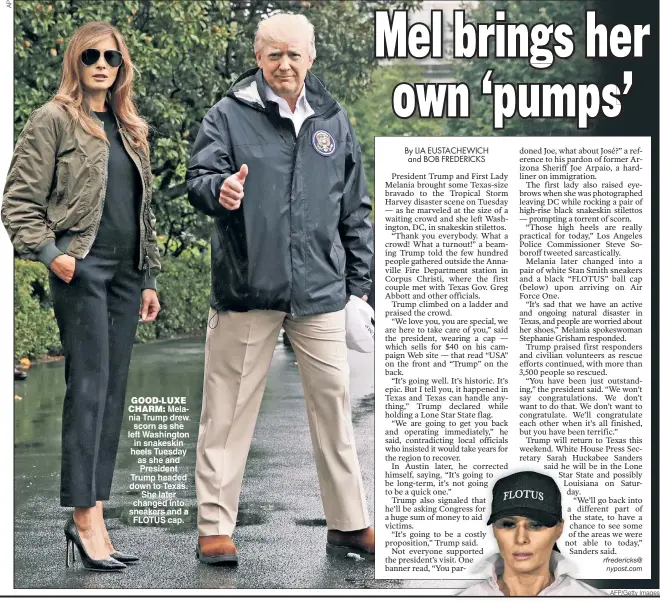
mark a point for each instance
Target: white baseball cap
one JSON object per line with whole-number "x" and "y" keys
{"x": 360, "y": 325}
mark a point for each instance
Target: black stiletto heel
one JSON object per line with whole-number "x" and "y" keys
{"x": 70, "y": 560}
{"x": 96, "y": 565}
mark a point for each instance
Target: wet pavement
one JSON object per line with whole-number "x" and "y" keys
{"x": 281, "y": 530}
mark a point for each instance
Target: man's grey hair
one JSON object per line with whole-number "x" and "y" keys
{"x": 281, "y": 28}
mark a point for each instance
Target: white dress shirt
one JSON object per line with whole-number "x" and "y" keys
{"x": 299, "y": 115}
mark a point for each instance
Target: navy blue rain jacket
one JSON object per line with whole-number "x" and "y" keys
{"x": 301, "y": 240}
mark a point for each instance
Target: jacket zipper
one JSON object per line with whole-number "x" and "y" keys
{"x": 293, "y": 172}
{"x": 303, "y": 127}
{"x": 105, "y": 186}
{"x": 142, "y": 259}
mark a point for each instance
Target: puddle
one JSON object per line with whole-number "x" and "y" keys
{"x": 311, "y": 522}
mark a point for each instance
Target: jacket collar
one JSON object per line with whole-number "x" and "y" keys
{"x": 91, "y": 113}
{"x": 134, "y": 146}
{"x": 250, "y": 88}
{"x": 494, "y": 566}
{"x": 94, "y": 116}
{"x": 301, "y": 102}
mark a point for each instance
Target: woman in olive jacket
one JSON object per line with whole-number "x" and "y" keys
{"x": 78, "y": 198}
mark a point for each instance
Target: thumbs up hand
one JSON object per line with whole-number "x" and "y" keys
{"x": 231, "y": 191}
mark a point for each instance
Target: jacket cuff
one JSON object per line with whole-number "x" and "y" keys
{"x": 354, "y": 290}
{"x": 48, "y": 253}
{"x": 148, "y": 281}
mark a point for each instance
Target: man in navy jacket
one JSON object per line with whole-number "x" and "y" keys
{"x": 277, "y": 165}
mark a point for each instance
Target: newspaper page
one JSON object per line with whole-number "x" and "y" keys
{"x": 515, "y": 331}
{"x": 509, "y": 152}
{"x": 515, "y": 335}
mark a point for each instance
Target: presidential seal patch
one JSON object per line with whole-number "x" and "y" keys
{"x": 323, "y": 143}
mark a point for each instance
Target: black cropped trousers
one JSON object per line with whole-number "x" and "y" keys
{"x": 97, "y": 313}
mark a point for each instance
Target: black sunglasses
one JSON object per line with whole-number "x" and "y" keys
{"x": 90, "y": 56}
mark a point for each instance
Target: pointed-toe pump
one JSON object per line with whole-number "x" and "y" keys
{"x": 96, "y": 565}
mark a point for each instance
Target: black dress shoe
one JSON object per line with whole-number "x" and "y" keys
{"x": 361, "y": 542}
{"x": 124, "y": 557}
{"x": 96, "y": 565}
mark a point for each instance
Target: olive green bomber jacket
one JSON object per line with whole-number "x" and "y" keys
{"x": 55, "y": 191}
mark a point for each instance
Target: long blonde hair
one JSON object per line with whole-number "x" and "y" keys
{"x": 70, "y": 95}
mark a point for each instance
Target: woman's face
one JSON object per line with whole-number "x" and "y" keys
{"x": 100, "y": 76}
{"x": 525, "y": 544}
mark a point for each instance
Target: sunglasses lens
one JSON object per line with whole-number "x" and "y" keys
{"x": 113, "y": 58}
{"x": 90, "y": 56}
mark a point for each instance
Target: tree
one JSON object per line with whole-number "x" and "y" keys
{"x": 188, "y": 53}
{"x": 372, "y": 114}
{"x": 471, "y": 71}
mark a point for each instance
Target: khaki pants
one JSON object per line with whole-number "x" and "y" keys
{"x": 239, "y": 349}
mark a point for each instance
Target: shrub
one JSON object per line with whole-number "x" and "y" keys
{"x": 184, "y": 286}
{"x": 35, "y": 328}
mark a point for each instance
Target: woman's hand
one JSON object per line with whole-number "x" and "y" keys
{"x": 64, "y": 266}
{"x": 150, "y": 305}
